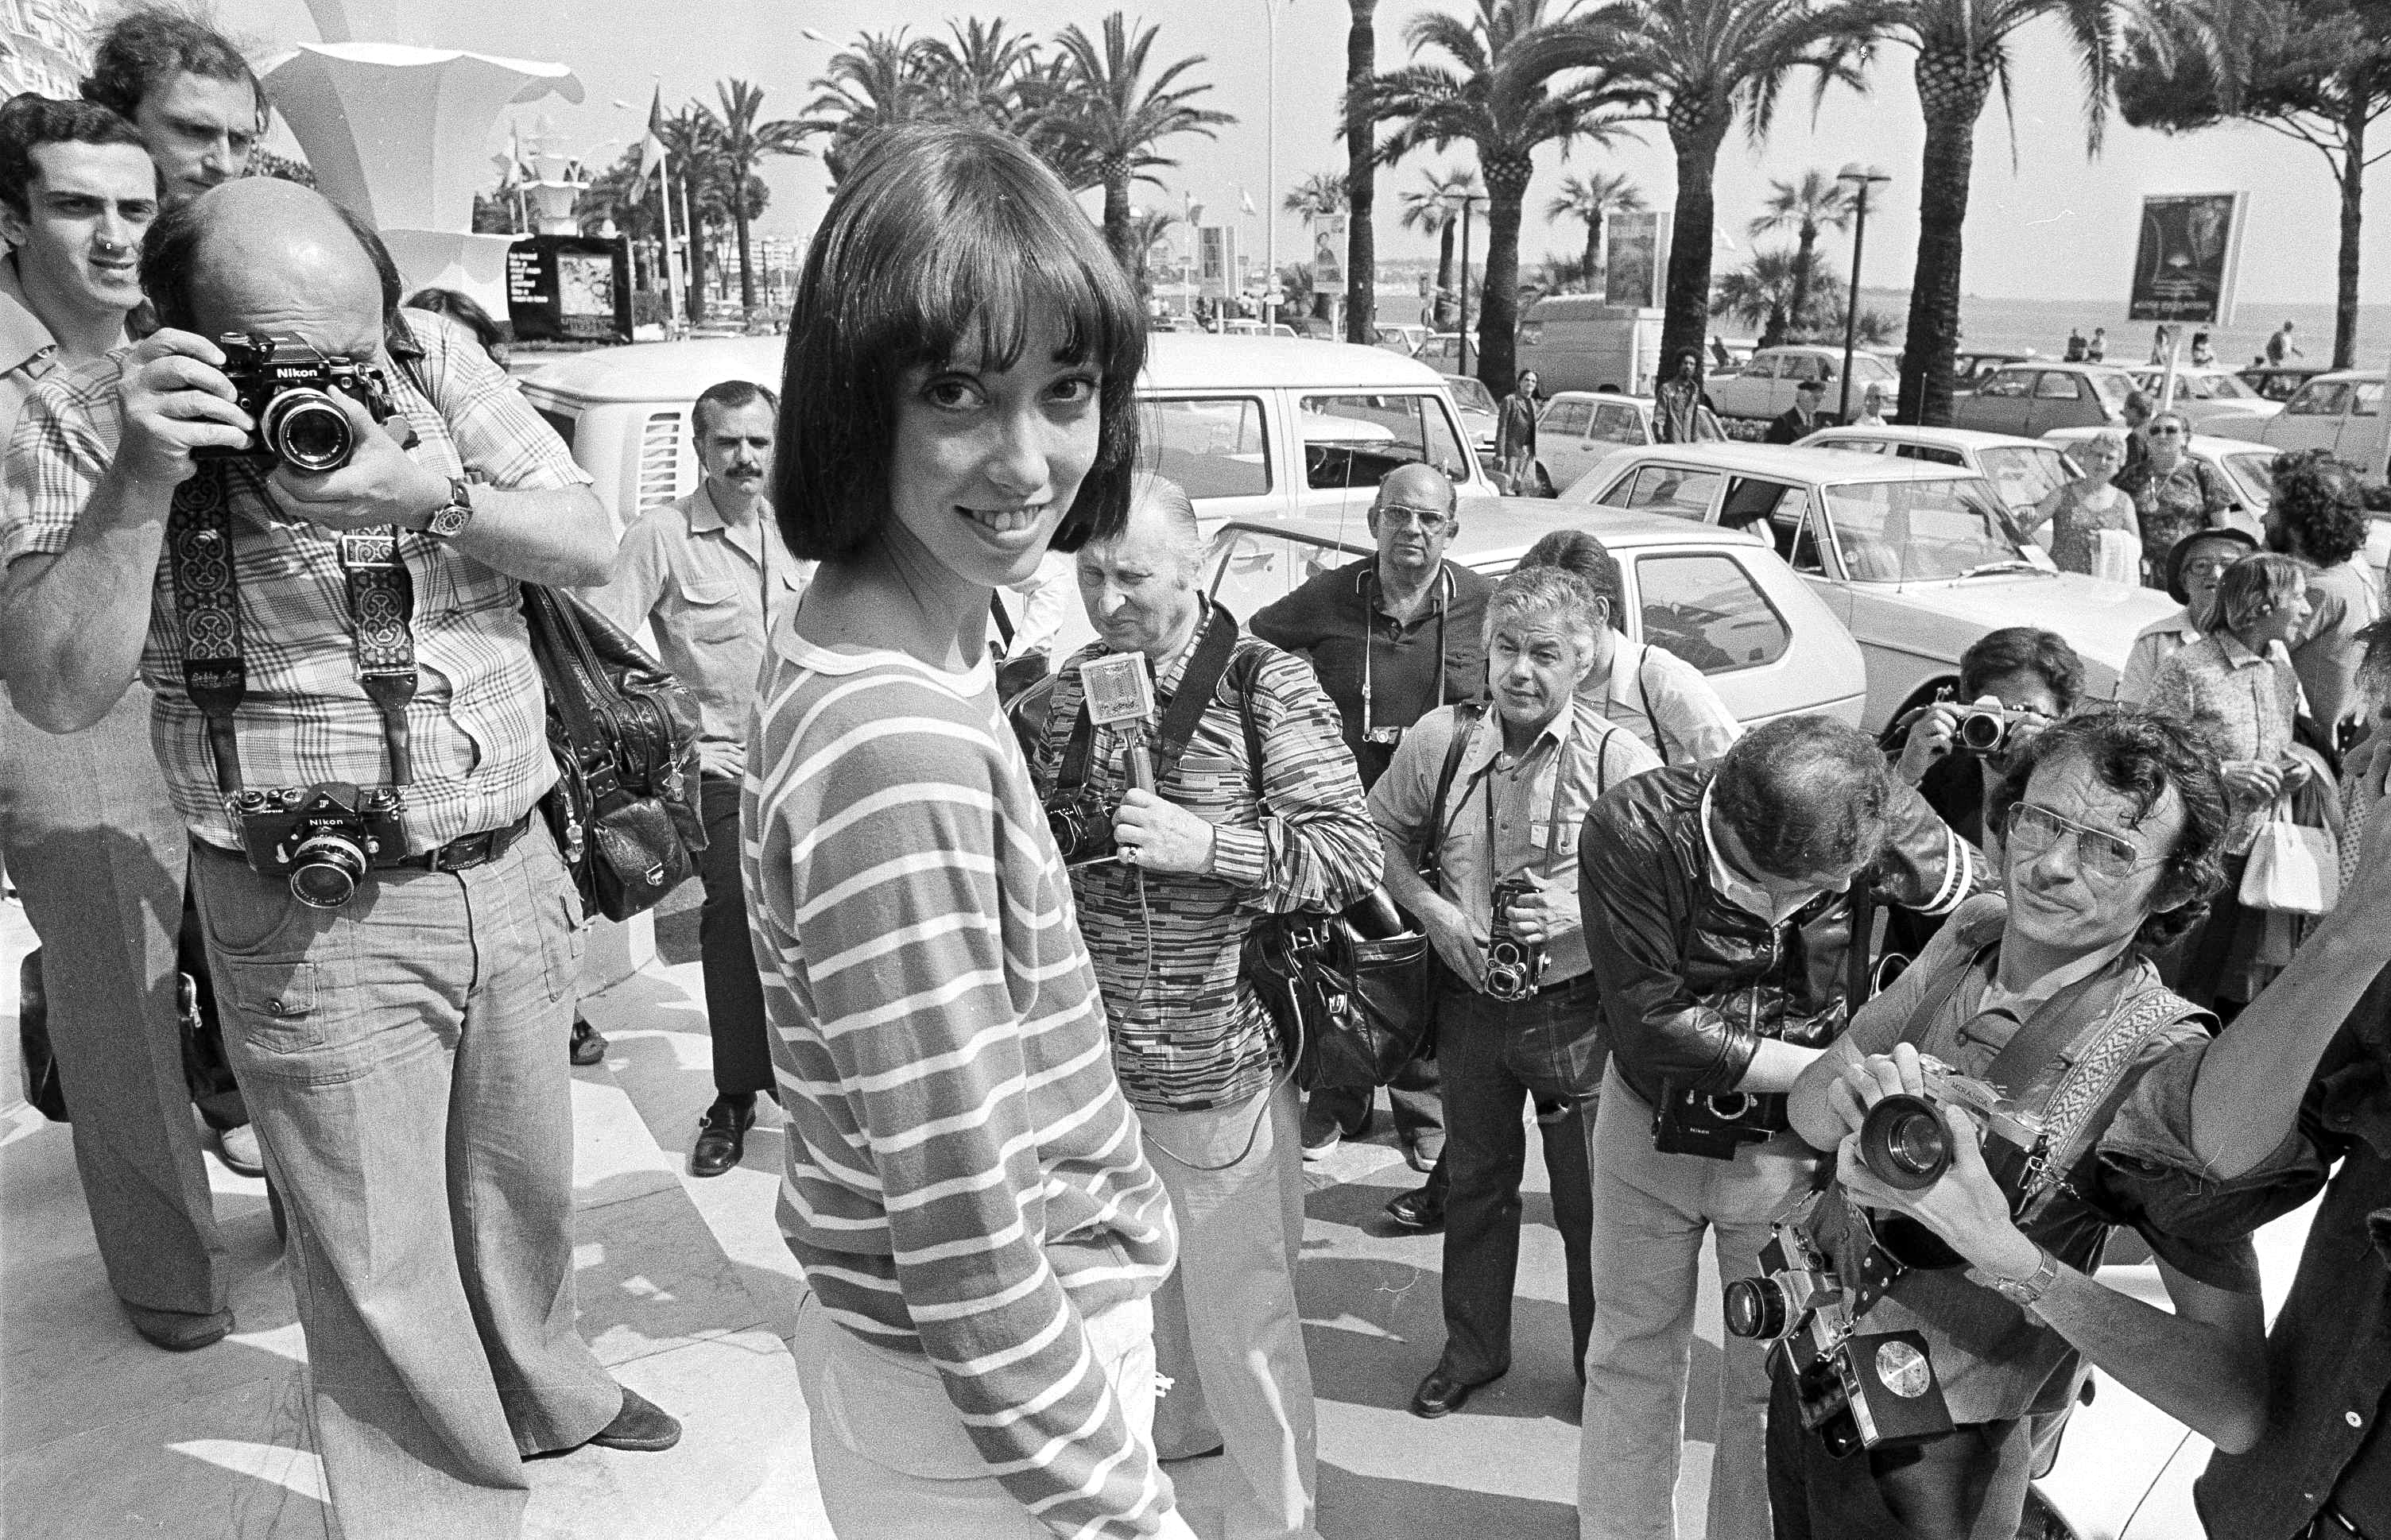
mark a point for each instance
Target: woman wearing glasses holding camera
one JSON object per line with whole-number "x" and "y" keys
{"x": 965, "y": 1186}
{"x": 2113, "y": 822}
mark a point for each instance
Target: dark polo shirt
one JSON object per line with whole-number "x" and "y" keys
{"x": 1438, "y": 656}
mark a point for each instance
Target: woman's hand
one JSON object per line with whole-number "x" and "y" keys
{"x": 2251, "y": 780}
{"x": 2292, "y": 772}
{"x": 1966, "y": 1208}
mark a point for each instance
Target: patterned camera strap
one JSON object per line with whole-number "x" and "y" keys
{"x": 207, "y": 609}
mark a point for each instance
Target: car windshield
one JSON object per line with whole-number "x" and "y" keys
{"x": 1354, "y": 441}
{"x": 2253, "y": 475}
{"x": 1920, "y": 531}
{"x": 1866, "y": 366}
{"x": 2025, "y": 475}
{"x": 2223, "y": 387}
{"x": 2113, "y": 388}
{"x": 1470, "y": 395}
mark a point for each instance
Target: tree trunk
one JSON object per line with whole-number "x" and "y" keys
{"x": 1361, "y": 173}
{"x": 1498, "y": 310}
{"x": 746, "y": 264}
{"x": 1592, "y": 273}
{"x": 1116, "y": 234}
{"x": 1439, "y": 307}
{"x": 1951, "y": 89}
{"x": 1805, "y": 251}
{"x": 2353, "y": 189}
{"x": 694, "y": 301}
{"x": 1685, "y": 322}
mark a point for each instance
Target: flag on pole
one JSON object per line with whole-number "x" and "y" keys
{"x": 651, "y": 149}
{"x": 1244, "y": 200}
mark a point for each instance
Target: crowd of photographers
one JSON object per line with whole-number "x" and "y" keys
{"x": 1909, "y": 1029}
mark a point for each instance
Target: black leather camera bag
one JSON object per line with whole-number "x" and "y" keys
{"x": 625, "y": 808}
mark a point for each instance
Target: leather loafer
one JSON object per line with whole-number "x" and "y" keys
{"x": 721, "y": 1137}
{"x": 1417, "y": 1210}
{"x": 179, "y": 1331}
{"x": 238, "y": 1149}
{"x": 1442, "y": 1392}
{"x": 589, "y": 1046}
{"x": 640, "y": 1428}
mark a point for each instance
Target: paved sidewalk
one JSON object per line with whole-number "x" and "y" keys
{"x": 688, "y": 1294}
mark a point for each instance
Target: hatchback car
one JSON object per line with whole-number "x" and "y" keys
{"x": 1770, "y": 647}
{"x": 2024, "y": 470}
{"x": 1917, "y": 560}
{"x": 2205, "y": 395}
{"x": 1764, "y": 387}
{"x": 2029, "y": 400}
{"x": 1579, "y": 428}
{"x": 2280, "y": 382}
{"x": 2341, "y": 412}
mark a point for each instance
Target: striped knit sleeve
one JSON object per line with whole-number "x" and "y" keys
{"x": 1315, "y": 847}
{"x": 921, "y": 960}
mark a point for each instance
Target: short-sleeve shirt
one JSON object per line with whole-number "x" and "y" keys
{"x": 1530, "y": 806}
{"x": 28, "y": 352}
{"x": 2243, "y": 703}
{"x": 477, "y": 726}
{"x": 712, "y": 591}
{"x": 1667, "y": 703}
{"x": 2344, "y": 600}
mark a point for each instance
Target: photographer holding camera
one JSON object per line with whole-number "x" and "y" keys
{"x": 350, "y": 723}
{"x": 1718, "y": 911}
{"x": 1479, "y": 813}
{"x": 1176, "y": 846}
{"x": 1968, "y": 1267}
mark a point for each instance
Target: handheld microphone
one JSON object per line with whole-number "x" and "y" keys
{"x": 1120, "y": 693}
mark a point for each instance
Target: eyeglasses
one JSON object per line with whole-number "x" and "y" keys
{"x": 2207, "y": 566}
{"x": 2102, "y": 857}
{"x": 2170, "y": 432}
{"x": 1429, "y": 519}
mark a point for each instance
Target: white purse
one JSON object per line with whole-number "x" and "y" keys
{"x": 2117, "y": 557}
{"x": 2294, "y": 868}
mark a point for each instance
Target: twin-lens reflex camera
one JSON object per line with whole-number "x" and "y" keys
{"x": 323, "y": 839}
{"x": 1515, "y": 969}
{"x": 286, "y": 385}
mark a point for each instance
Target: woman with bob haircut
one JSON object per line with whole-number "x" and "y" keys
{"x": 965, "y": 1186}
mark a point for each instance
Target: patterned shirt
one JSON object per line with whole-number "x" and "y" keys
{"x": 2243, "y": 703}
{"x": 477, "y": 726}
{"x": 28, "y": 352}
{"x": 1515, "y": 800}
{"x": 1187, "y": 1032}
{"x": 965, "y": 1180}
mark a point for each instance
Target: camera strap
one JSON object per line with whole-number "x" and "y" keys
{"x": 1369, "y": 582}
{"x": 1180, "y": 715}
{"x": 207, "y": 607}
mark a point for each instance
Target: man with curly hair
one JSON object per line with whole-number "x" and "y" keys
{"x": 197, "y": 104}
{"x": 2319, "y": 515}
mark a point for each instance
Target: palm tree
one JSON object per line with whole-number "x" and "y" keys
{"x": 1963, "y": 53}
{"x": 1759, "y": 294}
{"x": 1146, "y": 231}
{"x": 976, "y": 76}
{"x": 1593, "y": 197}
{"x": 1435, "y": 205}
{"x": 1705, "y": 64}
{"x": 744, "y": 144}
{"x": 1494, "y": 96}
{"x": 693, "y": 137}
{"x": 1361, "y": 172}
{"x": 883, "y": 80}
{"x": 1113, "y": 113}
{"x": 1816, "y": 202}
{"x": 1319, "y": 194}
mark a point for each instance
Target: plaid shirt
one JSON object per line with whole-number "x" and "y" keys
{"x": 477, "y": 726}
{"x": 1187, "y": 1032}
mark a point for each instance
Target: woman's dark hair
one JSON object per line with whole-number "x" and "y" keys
{"x": 462, "y": 309}
{"x": 942, "y": 238}
{"x": 2139, "y": 756}
{"x": 1805, "y": 794}
{"x": 1576, "y": 551}
{"x": 2014, "y": 649}
{"x": 2322, "y": 502}
{"x": 151, "y": 45}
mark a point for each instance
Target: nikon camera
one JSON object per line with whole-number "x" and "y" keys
{"x": 324, "y": 838}
{"x": 286, "y": 385}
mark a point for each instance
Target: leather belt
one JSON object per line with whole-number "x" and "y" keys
{"x": 466, "y": 851}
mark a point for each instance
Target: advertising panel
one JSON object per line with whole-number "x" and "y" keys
{"x": 569, "y": 288}
{"x": 1329, "y": 253}
{"x": 2185, "y": 262}
{"x": 1216, "y": 262}
{"x": 1637, "y": 264}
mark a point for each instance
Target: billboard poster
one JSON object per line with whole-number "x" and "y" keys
{"x": 1216, "y": 262}
{"x": 569, "y": 288}
{"x": 2185, "y": 262}
{"x": 1637, "y": 259}
{"x": 1328, "y": 254}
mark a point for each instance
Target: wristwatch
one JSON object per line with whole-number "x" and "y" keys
{"x": 448, "y": 520}
{"x": 2027, "y": 1290}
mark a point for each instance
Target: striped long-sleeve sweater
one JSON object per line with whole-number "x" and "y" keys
{"x": 964, "y": 1179}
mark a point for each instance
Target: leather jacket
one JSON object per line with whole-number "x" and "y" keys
{"x": 1691, "y": 981}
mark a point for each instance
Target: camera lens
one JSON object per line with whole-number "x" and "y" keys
{"x": 1756, "y": 1308}
{"x": 325, "y": 870}
{"x": 1983, "y": 732}
{"x": 1903, "y": 1143}
{"x": 308, "y": 430}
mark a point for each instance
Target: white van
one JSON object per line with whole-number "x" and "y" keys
{"x": 1578, "y": 343}
{"x": 1252, "y": 427}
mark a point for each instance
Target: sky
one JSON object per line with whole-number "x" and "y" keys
{"x": 2044, "y": 220}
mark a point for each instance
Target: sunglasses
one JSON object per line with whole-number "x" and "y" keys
{"x": 2035, "y": 830}
{"x": 1429, "y": 519}
{"x": 2167, "y": 432}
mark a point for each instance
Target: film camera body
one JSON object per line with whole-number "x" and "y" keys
{"x": 323, "y": 839}
{"x": 287, "y": 386}
{"x": 1515, "y": 969}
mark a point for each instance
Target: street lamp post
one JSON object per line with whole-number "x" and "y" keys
{"x": 1861, "y": 178}
{"x": 1270, "y": 196}
{"x": 1467, "y": 200}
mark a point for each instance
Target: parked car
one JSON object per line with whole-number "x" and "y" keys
{"x": 2029, "y": 400}
{"x": 1970, "y": 369}
{"x": 1918, "y": 560}
{"x": 2342, "y": 411}
{"x": 2280, "y": 382}
{"x": 2205, "y": 395}
{"x": 1244, "y": 328}
{"x": 1222, "y": 412}
{"x": 2023, "y": 471}
{"x": 1479, "y": 411}
{"x": 1764, "y": 387}
{"x": 1729, "y": 606}
{"x": 1579, "y": 428}
{"x": 1398, "y": 337}
{"x": 1443, "y": 351}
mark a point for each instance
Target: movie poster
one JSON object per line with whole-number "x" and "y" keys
{"x": 569, "y": 288}
{"x": 1637, "y": 259}
{"x": 1216, "y": 262}
{"x": 2184, "y": 262}
{"x": 1328, "y": 254}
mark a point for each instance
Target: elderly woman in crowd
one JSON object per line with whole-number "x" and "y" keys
{"x": 2319, "y": 515}
{"x": 2175, "y": 496}
{"x": 2236, "y": 686}
{"x": 2080, "y": 511}
{"x": 2193, "y": 569}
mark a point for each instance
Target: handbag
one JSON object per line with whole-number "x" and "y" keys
{"x": 2294, "y": 868}
{"x": 2117, "y": 557}
{"x": 624, "y": 806}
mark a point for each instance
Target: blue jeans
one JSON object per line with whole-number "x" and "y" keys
{"x": 401, "y": 1056}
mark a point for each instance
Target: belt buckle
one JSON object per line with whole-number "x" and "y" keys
{"x": 369, "y": 549}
